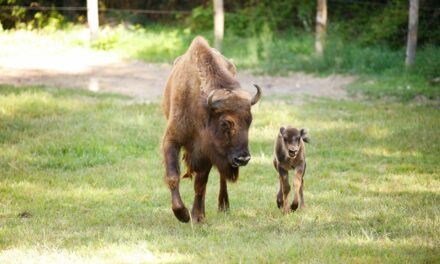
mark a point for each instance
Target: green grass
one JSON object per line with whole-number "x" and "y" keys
{"x": 88, "y": 170}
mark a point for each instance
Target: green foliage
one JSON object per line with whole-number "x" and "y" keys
{"x": 371, "y": 23}
{"x": 388, "y": 27}
{"x": 51, "y": 22}
{"x": 154, "y": 43}
{"x": 108, "y": 38}
{"x": 81, "y": 180}
{"x": 385, "y": 26}
{"x": 201, "y": 19}
{"x": 277, "y": 15}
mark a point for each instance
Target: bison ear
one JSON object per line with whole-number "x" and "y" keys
{"x": 282, "y": 130}
{"x": 304, "y": 132}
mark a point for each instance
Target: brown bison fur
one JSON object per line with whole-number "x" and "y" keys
{"x": 290, "y": 154}
{"x": 209, "y": 117}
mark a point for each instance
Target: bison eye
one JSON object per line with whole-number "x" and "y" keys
{"x": 226, "y": 125}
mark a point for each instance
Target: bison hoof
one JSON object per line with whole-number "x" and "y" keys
{"x": 294, "y": 206}
{"x": 197, "y": 218}
{"x": 182, "y": 214}
{"x": 279, "y": 203}
{"x": 223, "y": 207}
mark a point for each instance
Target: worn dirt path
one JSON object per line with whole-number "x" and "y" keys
{"x": 82, "y": 68}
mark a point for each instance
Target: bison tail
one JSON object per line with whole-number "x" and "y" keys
{"x": 187, "y": 175}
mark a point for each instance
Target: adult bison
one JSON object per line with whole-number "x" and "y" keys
{"x": 209, "y": 117}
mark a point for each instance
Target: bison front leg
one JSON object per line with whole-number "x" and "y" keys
{"x": 297, "y": 183}
{"x": 223, "y": 200}
{"x": 198, "y": 210}
{"x": 172, "y": 177}
{"x": 283, "y": 194}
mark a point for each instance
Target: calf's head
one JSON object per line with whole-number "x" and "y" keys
{"x": 228, "y": 126}
{"x": 291, "y": 139}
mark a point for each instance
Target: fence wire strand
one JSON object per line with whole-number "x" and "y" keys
{"x": 83, "y": 8}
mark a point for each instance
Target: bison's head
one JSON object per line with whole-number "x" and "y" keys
{"x": 291, "y": 138}
{"x": 228, "y": 126}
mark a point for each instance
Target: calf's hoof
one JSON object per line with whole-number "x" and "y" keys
{"x": 182, "y": 214}
{"x": 294, "y": 206}
{"x": 279, "y": 203}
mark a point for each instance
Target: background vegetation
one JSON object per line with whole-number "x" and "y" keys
{"x": 365, "y": 38}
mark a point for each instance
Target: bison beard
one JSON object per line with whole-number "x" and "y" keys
{"x": 223, "y": 166}
{"x": 225, "y": 169}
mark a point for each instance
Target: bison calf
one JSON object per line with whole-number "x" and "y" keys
{"x": 290, "y": 154}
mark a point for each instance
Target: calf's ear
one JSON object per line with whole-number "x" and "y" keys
{"x": 304, "y": 132}
{"x": 282, "y": 130}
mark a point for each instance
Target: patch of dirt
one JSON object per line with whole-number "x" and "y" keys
{"x": 81, "y": 68}
{"x": 24, "y": 215}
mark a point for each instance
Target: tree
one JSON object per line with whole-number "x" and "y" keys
{"x": 219, "y": 21}
{"x": 321, "y": 25}
{"x": 93, "y": 19}
{"x": 413, "y": 22}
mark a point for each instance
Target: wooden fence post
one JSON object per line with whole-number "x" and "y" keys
{"x": 93, "y": 19}
{"x": 413, "y": 22}
{"x": 219, "y": 21}
{"x": 321, "y": 25}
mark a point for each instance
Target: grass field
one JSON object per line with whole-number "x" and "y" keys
{"x": 81, "y": 180}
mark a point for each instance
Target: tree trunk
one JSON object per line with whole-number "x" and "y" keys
{"x": 93, "y": 19}
{"x": 321, "y": 25}
{"x": 412, "y": 32}
{"x": 219, "y": 21}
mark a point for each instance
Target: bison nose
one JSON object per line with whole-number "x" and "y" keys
{"x": 242, "y": 160}
{"x": 292, "y": 153}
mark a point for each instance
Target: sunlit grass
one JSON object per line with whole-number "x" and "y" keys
{"x": 81, "y": 181}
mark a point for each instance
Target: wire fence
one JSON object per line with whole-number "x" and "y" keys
{"x": 83, "y": 8}
{"x": 145, "y": 15}
{"x": 392, "y": 4}
{"x": 187, "y": 12}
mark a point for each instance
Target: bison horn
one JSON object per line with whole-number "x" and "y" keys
{"x": 257, "y": 96}
{"x": 209, "y": 100}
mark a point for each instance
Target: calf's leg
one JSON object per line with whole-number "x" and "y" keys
{"x": 302, "y": 204}
{"x": 280, "y": 194}
{"x": 301, "y": 196}
{"x": 284, "y": 188}
{"x": 172, "y": 178}
{"x": 297, "y": 184}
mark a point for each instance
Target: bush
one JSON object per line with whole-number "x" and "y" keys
{"x": 201, "y": 18}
